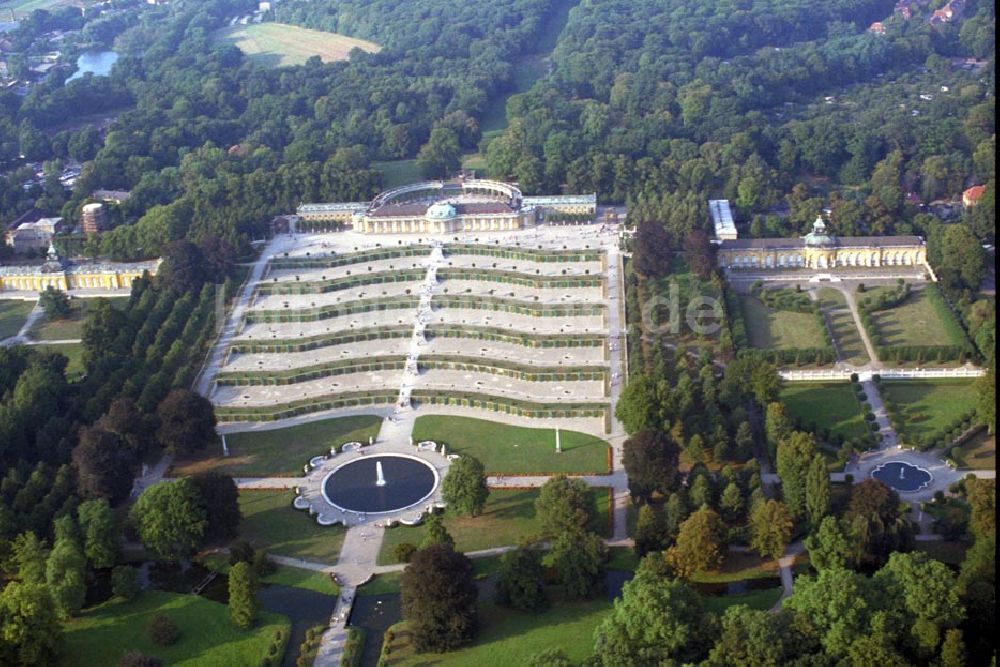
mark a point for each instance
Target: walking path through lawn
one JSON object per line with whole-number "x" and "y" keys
{"x": 22, "y": 334}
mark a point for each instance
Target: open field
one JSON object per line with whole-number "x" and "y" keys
{"x": 70, "y": 326}
{"x": 927, "y": 407}
{"x": 271, "y": 523}
{"x": 979, "y": 452}
{"x": 509, "y": 517}
{"x": 281, "y": 45}
{"x": 917, "y": 322}
{"x": 505, "y": 449}
{"x": 280, "y": 452}
{"x": 397, "y": 172}
{"x": 22, "y": 8}
{"x": 73, "y": 352}
{"x": 831, "y": 406}
{"x": 100, "y": 636}
{"x": 13, "y": 313}
{"x": 508, "y": 637}
{"x": 770, "y": 329}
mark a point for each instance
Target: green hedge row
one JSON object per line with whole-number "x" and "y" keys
{"x": 510, "y": 405}
{"x": 337, "y": 284}
{"x": 512, "y": 369}
{"x": 526, "y": 254}
{"x": 798, "y": 357}
{"x": 342, "y": 337}
{"x": 501, "y": 304}
{"x": 330, "y": 261}
{"x": 523, "y": 279}
{"x": 332, "y": 310}
{"x": 305, "y": 406}
{"x": 306, "y": 373}
{"x": 518, "y": 338}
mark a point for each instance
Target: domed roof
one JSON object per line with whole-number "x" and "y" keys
{"x": 819, "y": 235}
{"x": 441, "y": 211}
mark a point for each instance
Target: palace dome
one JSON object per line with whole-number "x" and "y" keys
{"x": 819, "y": 236}
{"x": 441, "y": 211}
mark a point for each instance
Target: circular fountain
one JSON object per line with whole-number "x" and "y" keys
{"x": 901, "y": 476}
{"x": 380, "y": 484}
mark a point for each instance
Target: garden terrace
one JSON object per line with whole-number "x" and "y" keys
{"x": 330, "y": 261}
{"x": 331, "y": 311}
{"x": 497, "y": 334}
{"x": 527, "y": 254}
{"x": 389, "y": 292}
{"x": 916, "y": 326}
{"x": 360, "y": 352}
{"x": 929, "y": 413}
{"x": 255, "y": 395}
{"x": 525, "y": 372}
{"x": 306, "y": 373}
{"x": 524, "y": 267}
{"x": 513, "y": 292}
{"x": 319, "y": 274}
{"x": 499, "y": 304}
{"x": 522, "y": 279}
{"x": 535, "y": 356}
{"x": 340, "y": 284}
{"x": 829, "y": 408}
{"x": 512, "y": 406}
{"x": 347, "y": 336}
{"x": 488, "y": 382}
{"x": 517, "y": 323}
{"x": 351, "y": 399}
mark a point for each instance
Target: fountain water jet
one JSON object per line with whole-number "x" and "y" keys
{"x": 379, "y": 478}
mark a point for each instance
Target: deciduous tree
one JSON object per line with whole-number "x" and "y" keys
{"x": 464, "y": 488}
{"x": 439, "y": 599}
{"x": 243, "y": 603}
{"x": 770, "y": 529}
{"x": 700, "y": 544}
{"x": 170, "y": 518}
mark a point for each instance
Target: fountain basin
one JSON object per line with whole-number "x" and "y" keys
{"x": 901, "y": 476}
{"x": 353, "y": 487}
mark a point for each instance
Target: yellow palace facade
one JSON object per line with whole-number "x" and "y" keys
{"x": 69, "y": 276}
{"x": 820, "y": 250}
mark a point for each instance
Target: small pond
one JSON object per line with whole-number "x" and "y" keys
{"x": 902, "y": 476}
{"x": 376, "y": 484}
{"x": 97, "y": 63}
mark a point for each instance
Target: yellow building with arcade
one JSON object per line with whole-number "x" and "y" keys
{"x": 820, "y": 249}
{"x": 69, "y": 275}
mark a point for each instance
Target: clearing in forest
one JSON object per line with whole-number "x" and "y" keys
{"x": 281, "y": 45}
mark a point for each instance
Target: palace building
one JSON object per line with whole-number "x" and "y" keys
{"x": 68, "y": 275}
{"x": 821, "y": 250}
{"x": 441, "y": 207}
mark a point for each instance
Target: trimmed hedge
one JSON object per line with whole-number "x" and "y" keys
{"x": 519, "y": 278}
{"x": 516, "y": 337}
{"x": 500, "y": 304}
{"x": 305, "y": 406}
{"x": 339, "y": 284}
{"x": 332, "y": 310}
{"x": 526, "y": 372}
{"x": 306, "y": 373}
{"x": 330, "y": 261}
{"x": 525, "y": 254}
{"x": 510, "y": 405}
{"x": 282, "y": 345}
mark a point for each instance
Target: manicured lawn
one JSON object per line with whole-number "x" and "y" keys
{"x": 397, "y": 172}
{"x": 280, "y": 452}
{"x": 71, "y": 326}
{"x": 761, "y": 600}
{"x": 928, "y": 407}
{"x": 509, "y": 637}
{"x": 283, "y": 575}
{"x": 917, "y": 322}
{"x": 13, "y": 313}
{"x": 382, "y": 584}
{"x": 780, "y": 329}
{"x": 281, "y": 45}
{"x": 100, "y": 636}
{"x": 271, "y": 523}
{"x": 831, "y": 298}
{"x": 845, "y": 330}
{"x": 73, "y": 352}
{"x": 513, "y": 450}
{"x": 737, "y": 566}
{"x": 829, "y": 405}
{"x": 508, "y": 518}
{"x": 979, "y": 452}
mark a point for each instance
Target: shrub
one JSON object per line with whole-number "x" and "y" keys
{"x": 404, "y": 551}
{"x": 137, "y": 659}
{"x": 162, "y": 630}
{"x": 854, "y": 378}
{"x": 861, "y": 288}
{"x": 125, "y": 582}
